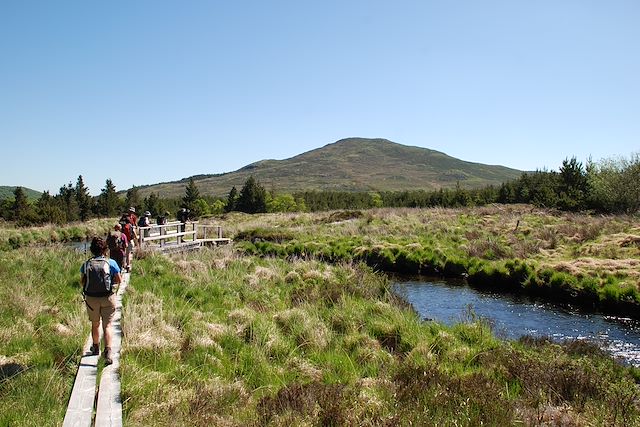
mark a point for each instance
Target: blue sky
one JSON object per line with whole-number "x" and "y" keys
{"x": 148, "y": 91}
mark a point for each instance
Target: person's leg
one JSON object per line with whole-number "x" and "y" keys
{"x": 108, "y": 332}
{"x": 108, "y": 311}
{"x": 95, "y": 336}
{"x": 93, "y": 311}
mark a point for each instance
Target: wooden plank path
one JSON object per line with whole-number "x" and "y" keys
{"x": 83, "y": 398}
{"x": 105, "y": 401}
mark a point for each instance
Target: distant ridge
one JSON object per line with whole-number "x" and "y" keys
{"x": 351, "y": 164}
{"x": 6, "y": 192}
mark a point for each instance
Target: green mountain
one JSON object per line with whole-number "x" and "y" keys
{"x": 353, "y": 164}
{"x": 6, "y": 192}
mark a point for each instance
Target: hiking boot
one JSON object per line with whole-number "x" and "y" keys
{"x": 107, "y": 356}
{"x": 95, "y": 349}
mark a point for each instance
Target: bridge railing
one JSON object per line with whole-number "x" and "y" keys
{"x": 171, "y": 232}
{"x": 177, "y": 233}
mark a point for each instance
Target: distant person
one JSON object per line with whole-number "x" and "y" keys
{"x": 117, "y": 243}
{"x": 162, "y": 219}
{"x": 145, "y": 221}
{"x": 133, "y": 218}
{"x": 98, "y": 276}
{"x": 130, "y": 231}
{"x": 183, "y": 217}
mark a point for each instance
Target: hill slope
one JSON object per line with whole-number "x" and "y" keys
{"x": 6, "y": 192}
{"x": 353, "y": 164}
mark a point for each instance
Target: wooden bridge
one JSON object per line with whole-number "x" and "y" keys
{"x": 176, "y": 236}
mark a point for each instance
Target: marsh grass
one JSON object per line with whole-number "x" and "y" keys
{"x": 42, "y": 330}
{"x": 15, "y": 237}
{"x": 223, "y": 337}
{"x": 597, "y": 256}
{"x": 269, "y": 341}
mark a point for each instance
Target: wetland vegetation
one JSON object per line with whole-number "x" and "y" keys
{"x": 295, "y": 324}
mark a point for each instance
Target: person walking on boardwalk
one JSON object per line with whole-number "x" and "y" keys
{"x": 132, "y": 215}
{"x": 162, "y": 219}
{"x": 129, "y": 230}
{"x": 117, "y": 242}
{"x": 98, "y": 276}
{"x": 145, "y": 221}
{"x": 183, "y": 217}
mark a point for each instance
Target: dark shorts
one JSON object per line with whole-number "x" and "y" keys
{"x": 101, "y": 308}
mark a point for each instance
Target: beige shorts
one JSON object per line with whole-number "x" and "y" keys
{"x": 101, "y": 307}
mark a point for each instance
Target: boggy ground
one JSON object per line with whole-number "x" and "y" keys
{"x": 220, "y": 338}
{"x": 588, "y": 260}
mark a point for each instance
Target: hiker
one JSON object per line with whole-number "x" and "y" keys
{"x": 117, "y": 243}
{"x": 162, "y": 219}
{"x": 132, "y": 215}
{"x": 145, "y": 221}
{"x": 183, "y": 217}
{"x": 98, "y": 277}
{"x": 128, "y": 230}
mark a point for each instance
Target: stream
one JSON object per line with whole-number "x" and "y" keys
{"x": 513, "y": 316}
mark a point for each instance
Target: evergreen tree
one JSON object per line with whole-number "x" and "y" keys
{"x": 232, "y": 200}
{"x": 192, "y": 194}
{"x": 133, "y": 199}
{"x": 573, "y": 185}
{"x": 67, "y": 195}
{"x": 83, "y": 199}
{"x": 49, "y": 210}
{"x": 20, "y": 209}
{"x": 109, "y": 201}
{"x": 153, "y": 204}
{"x": 252, "y": 198}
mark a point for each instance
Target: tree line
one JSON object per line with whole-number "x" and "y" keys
{"x": 609, "y": 186}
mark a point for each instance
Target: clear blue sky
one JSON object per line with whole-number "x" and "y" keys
{"x": 178, "y": 88}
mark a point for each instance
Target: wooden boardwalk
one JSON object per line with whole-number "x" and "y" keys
{"x": 106, "y": 398}
{"x": 101, "y": 404}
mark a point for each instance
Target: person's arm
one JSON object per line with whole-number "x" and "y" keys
{"x": 83, "y": 277}
{"x": 117, "y": 278}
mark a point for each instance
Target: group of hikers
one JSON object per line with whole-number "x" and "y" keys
{"x": 110, "y": 257}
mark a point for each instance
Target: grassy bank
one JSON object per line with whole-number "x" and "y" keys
{"x": 593, "y": 261}
{"x": 218, "y": 338}
{"x": 42, "y": 329}
{"x": 12, "y": 237}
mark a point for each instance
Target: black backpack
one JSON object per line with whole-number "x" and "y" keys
{"x": 98, "y": 278}
{"x": 114, "y": 241}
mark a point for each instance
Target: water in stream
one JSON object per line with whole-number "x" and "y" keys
{"x": 514, "y": 316}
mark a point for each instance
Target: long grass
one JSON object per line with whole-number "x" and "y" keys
{"x": 224, "y": 337}
{"x": 586, "y": 260}
{"x": 219, "y": 338}
{"x": 42, "y": 329}
{"x": 12, "y": 237}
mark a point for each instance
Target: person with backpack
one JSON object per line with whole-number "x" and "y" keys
{"x": 98, "y": 275}
{"x": 117, "y": 243}
{"x": 132, "y": 215}
{"x": 128, "y": 230}
{"x": 145, "y": 221}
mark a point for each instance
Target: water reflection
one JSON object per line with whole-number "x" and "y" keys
{"x": 514, "y": 316}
